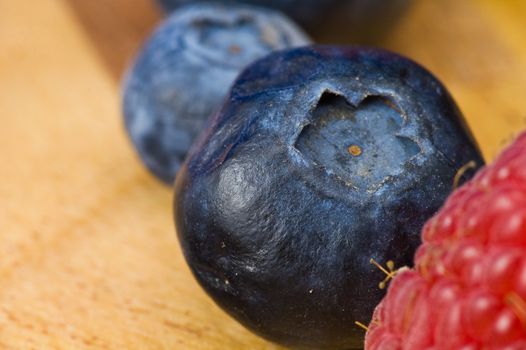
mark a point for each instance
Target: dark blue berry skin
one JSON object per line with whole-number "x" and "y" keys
{"x": 321, "y": 159}
{"x": 185, "y": 71}
{"x": 352, "y": 18}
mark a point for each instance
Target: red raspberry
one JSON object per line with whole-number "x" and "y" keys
{"x": 468, "y": 288}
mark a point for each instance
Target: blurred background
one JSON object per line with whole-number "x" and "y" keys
{"x": 88, "y": 255}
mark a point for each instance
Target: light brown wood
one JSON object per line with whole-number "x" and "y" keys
{"x": 88, "y": 255}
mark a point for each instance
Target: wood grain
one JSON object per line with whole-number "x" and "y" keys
{"x": 116, "y": 28}
{"x": 88, "y": 255}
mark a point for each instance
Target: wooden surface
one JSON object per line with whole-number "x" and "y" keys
{"x": 88, "y": 255}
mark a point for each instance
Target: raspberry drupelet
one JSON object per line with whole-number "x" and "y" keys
{"x": 468, "y": 288}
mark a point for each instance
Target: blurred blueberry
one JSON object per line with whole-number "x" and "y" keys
{"x": 329, "y": 20}
{"x": 185, "y": 70}
{"x": 321, "y": 159}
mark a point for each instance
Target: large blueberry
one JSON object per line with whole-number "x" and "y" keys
{"x": 185, "y": 71}
{"x": 321, "y": 159}
{"x": 353, "y": 19}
